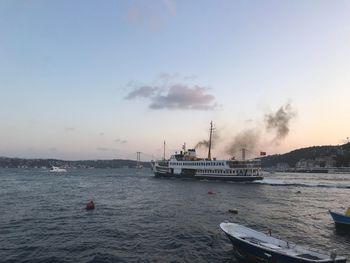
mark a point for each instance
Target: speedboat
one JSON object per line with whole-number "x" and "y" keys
{"x": 57, "y": 169}
{"x": 254, "y": 246}
{"x": 340, "y": 220}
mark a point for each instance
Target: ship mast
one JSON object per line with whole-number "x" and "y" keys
{"x": 164, "y": 151}
{"x": 210, "y": 135}
{"x": 243, "y": 153}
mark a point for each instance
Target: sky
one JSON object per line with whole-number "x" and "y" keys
{"x": 106, "y": 79}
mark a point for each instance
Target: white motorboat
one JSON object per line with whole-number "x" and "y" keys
{"x": 56, "y": 169}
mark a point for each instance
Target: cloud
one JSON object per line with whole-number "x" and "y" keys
{"x": 120, "y": 141}
{"x": 174, "y": 96}
{"x": 144, "y": 91}
{"x": 167, "y": 77}
{"x": 150, "y": 16}
{"x": 184, "y": 97}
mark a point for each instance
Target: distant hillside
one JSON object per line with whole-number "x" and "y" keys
{"x": 6, "y": 162}
{"x": 314, "y": 157}
{"x": 338, "y": 156}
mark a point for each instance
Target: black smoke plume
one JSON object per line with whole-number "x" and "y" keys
{"x": 247, "y": 139}
{"x": 205, "y": 143}
{"x": 278, "y": 122}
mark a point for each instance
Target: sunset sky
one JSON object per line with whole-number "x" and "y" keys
{"x": 105, "y": 79}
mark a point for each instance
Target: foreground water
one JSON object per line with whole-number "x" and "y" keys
{"x": 139, "y": 218}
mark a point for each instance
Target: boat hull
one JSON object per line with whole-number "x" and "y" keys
{"x": 342, "y": 222}
{"x": 209, "y": 177}
{"x": 253, "y": 254}
{"x": 256, "y": 247}
{"x": 230, "y": 178}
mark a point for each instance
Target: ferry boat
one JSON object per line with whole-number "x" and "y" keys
{"x": 187, "y": 165}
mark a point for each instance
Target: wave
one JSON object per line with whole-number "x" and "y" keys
{"x": 277, "y": 182}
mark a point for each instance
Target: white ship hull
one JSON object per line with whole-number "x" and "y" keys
{"x": 209, "y": 170}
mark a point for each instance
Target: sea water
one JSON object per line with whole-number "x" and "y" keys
{"x": 139, "y": 218}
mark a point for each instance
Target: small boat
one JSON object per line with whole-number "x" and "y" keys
{"x": 254, "y": 246}
{"x": 340, "y": 220}
{"x": 56, "y": 169}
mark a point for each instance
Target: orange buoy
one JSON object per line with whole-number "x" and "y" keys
{"x": 90, "y": 205}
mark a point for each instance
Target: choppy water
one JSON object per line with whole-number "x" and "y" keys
{"x": 139, "y": 218}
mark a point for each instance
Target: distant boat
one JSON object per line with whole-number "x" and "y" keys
{"x": 254, "y": 246}
{"x": 56, "y": 169}
{"x": 340, "y": 220}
